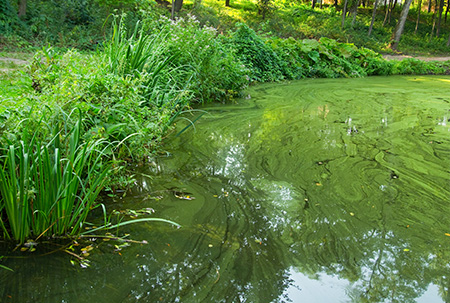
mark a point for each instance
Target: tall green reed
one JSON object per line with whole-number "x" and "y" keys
{"x": 49, "y": 188}
{"x": 145, "y": 56}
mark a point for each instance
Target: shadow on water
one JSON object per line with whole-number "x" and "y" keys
{"x": 313, "y": 191}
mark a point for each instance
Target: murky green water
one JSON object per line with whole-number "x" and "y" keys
{"x": 313, "y": 191}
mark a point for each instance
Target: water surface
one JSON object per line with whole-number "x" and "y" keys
{"x": 309, "y": 191}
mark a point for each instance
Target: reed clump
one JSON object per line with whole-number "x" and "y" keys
{"x": 47, "y": 188}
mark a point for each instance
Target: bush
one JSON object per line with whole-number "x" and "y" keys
{"x": 412, "y": 66}
{"x": 278, "y": 59}
{"x": 8, "y": 18}
{"x": 203, "y": 56}
{"x": 259, "y": 57}
{"x": 111, "y": 103}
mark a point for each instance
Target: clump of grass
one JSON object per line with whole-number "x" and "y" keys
{"x": 3, "y": 266}
{"x": 49, "y": 188}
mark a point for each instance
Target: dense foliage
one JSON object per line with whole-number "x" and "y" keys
{"x": 127, "y": 94}
{"x": 142, "y": 71}
{"x": 277, "y": 59}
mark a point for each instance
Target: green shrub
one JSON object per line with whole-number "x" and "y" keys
{"x": 113, "y": 104}
{"x": 411, "y": 66}
{"x": 8, "y": 18}
{"x": 263, "y": 63}
{"x": 202, "y": 56}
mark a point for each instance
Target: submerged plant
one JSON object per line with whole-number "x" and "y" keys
{"x": 3, "y": 266}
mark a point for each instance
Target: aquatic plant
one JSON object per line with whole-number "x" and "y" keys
{"x": 3, "y": 266}
{"x": 48, "y": 188}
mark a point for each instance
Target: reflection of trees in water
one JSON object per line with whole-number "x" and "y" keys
{"x": 295, "y": 189}
{"x": 315, "y": 234}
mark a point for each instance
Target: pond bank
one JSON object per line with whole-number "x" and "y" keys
{"x": 310, "y": 191}
{"x": 422, "y": 58}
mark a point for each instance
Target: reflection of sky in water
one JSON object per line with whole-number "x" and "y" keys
{"x": 298, "y": 206}
{"x": 430, "y": 296}
{"x": 325, "y": 289}
{"x": 330, "y": 288}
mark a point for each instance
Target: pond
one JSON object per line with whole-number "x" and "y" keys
{"x": 309, "y": 191}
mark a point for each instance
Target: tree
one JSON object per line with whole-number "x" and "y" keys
{"x": 433, "y": 19}
{"x": 441, "y": 9}
{"x": 227, "y": 3}
{"x": 263, "y": 8}
{"x": 354, "y": 11}
{"x": 387, "y": 16}
{"x": 22, "y": 8}
{"x": 176, "y": 7}
{"x": 418, "y": 15}
{"x": 373, "y": 16}
{"x": 344, "y": 12}
{"x": 398, "y": 31}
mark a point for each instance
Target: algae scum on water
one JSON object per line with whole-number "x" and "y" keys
{"x": 310, "y": 191}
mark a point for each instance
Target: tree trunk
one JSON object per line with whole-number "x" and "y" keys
{"x": 441, "y": 9}
{"x": 374, "y": 13}
{"x": 313, "y": 4}
{"x": 22, "y": 8}
{"x": 448, "y": 44}
{"x": 434, "y": 24}
{"x": 354, "y": 11}
{"x": 344, "y": 12}
{"x": 418, "y": 15}
{"x": 172, "y": 11}
{"x": 393, "y": 7}
{"x": 178, "y": 4}
{"x": 388, "y": 13}
{"x": 336, "y": 3}
{"x": 400, "y": 25}
{"x": 429, "y": 6}
{"x": 433, "y": 20}
{"x": 227, "y": 3}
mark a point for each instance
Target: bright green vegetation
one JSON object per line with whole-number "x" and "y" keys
{"x": 299, "y": 20}
{"x": 81, "y": 23}
{"x": 129, "y": 78}
{"x": 126, "y": 97}
{"x": 49, "y": 188}
{"x": 128, "y": 94}
{"x": 314, "y": 190}
{"x": 279, "y": 59}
